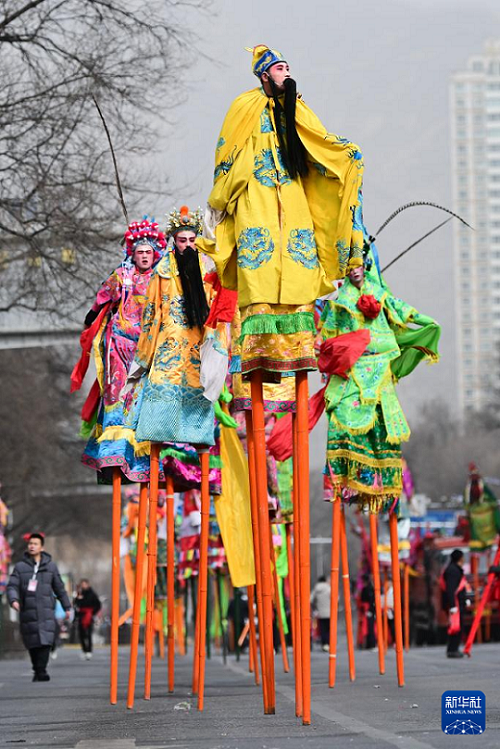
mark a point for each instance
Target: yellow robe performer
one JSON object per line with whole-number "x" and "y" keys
{"x": 280, "y": 241}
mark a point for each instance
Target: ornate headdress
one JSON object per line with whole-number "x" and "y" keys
{"x": 263, "y": 58}
{"x": 184, "y": 220}
{"x": 144, "y": 232}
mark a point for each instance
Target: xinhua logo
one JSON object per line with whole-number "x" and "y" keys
{"x": 463, "y": 712}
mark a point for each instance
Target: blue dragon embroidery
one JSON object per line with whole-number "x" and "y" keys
{"x": 266, "y": 126}
{"x": 267, "y": 172}
{"x": 178, "y": 312}
{"x": 343, "y": 255}
{"x": 255, "y": 247}
{"x": 224, "y": 166}
{"x": 302, "y": 248}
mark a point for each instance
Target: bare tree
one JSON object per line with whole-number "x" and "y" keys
{"x": 59, "y": 211}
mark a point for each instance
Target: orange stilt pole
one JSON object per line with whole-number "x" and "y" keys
{"x": 196, "y": 644}
{"x": 256, "y": 551}
{"x": 138, "y": 591}
{"x": 296, "y": 572}
{"x": 376, "y": 586}
{"x": 161, "y": 635}
{"x": 277, "y": 604}
{"x": 115, "y": 582}
{"x": 179, "y": 626}
{"x": 253, "y": 634}
{"x": 304, "y": 550}
{"x": 170, "y": 583}
{"x": 386, "y": 613}
{"x": 347, "y": 596}
{"x": 407, "y": 606}
{"x": 263, "y": 521}
{"x": 474, "y": 563}
{"x": 291, "y": 582}
{"x": 152, "y": 548}
{"x": 396, "y": 586}
{"x": 203, "y": 589}
{"x": 334, "y": 588}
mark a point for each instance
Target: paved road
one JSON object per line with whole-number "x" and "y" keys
{"x": 72, "y": 711}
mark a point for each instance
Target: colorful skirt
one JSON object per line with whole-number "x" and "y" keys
{"x": 277, "y": 338}
{"x": 366, "y": 464}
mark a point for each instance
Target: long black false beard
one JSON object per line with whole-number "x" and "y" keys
{"x": 195, "y": 301}
{"x": 292, "y": 149}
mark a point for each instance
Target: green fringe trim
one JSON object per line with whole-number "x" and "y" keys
{"x": 295, "y": 322}
{"x": 170, "y": 452}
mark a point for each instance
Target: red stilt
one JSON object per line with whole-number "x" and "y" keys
{"x": 115, "y": 582}
{"x": 138, "y": 591}
{"x": 304, "y": 551}
{"x": 203, "y": 574}
{"x": 263, "y": 520}
{"x": 152, "y": 550}
{"x": 396, "y": 586}
{"x": 376, "y": 586}
{"x": 170, "y": 583}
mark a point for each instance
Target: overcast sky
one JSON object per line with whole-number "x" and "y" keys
{"x": 377, "y": 73}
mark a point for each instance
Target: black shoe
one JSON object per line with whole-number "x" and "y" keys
{"x": 42, "y": 677}
{"x": 456, "y": 654}
{"x": 35, "y": 677}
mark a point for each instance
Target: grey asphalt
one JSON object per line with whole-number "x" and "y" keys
{"x": 72, "y": 710}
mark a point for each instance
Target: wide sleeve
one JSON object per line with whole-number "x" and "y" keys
{"x": 151, "y": 322}
{"x": 110, "y": 290}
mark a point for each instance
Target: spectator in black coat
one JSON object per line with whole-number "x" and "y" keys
{"x": 32, "y": 590}
{"x": 87, "y": 605}
{"x": 454, "y": 599}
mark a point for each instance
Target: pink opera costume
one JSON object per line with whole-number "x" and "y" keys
{"x": 116, "y": 315}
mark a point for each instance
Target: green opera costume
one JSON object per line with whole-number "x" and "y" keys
{"x": 366, "y": 422}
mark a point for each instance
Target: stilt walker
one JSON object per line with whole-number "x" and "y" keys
{"x": 366, "y": 422}
{"x": 138, "y": 592}
{"x": 170, "y": 583}
{"x": 376, "y": 586}
{"x": 274, "y": 215}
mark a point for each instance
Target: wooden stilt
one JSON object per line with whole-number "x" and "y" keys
{"x": 407, "y": 606}
{"x": 161, "y": 633}
{"x": 277, "y": 604}
{"x": 347, "y": 596}
{"x": 376, "y": 586}
{"x": 170, "y": 583}
{"x": 151, "y": 580}
{"x": 180, "y": 638}
{"x": 256, "y": 552}
{"x": 304, "y": 550}
{"x": 203, "y": 589}
{"x": 396, "y": 586}
{"x": 115, "y": 582}
{"x": 138, "y": 591}
{"x": 296, "y": 545}
{"x": 253, "y": 634}
{"x": 263, "y": 521}
{"x": 334, "y": 588}
{"x": 474, "y": 563}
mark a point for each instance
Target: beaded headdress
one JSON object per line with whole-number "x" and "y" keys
{"x": 183, "y": 220}
{"x": 144, "y": 232}
{"x": 263, "y": 58}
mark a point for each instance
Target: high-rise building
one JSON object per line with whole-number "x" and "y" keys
{"x": 475, "y": 138}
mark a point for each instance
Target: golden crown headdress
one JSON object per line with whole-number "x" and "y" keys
{"x": 184, "y": 219}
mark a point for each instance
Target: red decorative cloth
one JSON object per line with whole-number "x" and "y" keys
{"x": 86, "y": 338}
{"x": 369, "y": 306}
{"x": 338, "y": 355}
{"x": 224, "y": 305}
{"x": 92, "y": 402}
{"x": 280, "y": 442}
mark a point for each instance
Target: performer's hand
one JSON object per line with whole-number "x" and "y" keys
{"x": 454, "y": 610}
{"x": 16, "y": 606}
{"x": 67, "y": 615}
